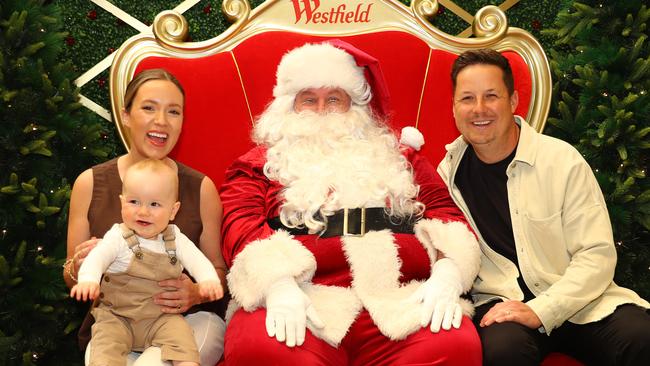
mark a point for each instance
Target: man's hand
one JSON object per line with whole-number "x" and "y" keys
{"x": 287, "y": 312}
{"x": 211, "y": 290}
{"x": 511, "y": 311}
{"x": 440, "y": 297}
{"x": 85, "y": 291}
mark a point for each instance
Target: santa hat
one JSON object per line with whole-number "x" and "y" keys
{"x": 333, "y": 63}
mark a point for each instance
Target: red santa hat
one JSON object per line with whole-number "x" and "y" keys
{"x": 334, "y": 63}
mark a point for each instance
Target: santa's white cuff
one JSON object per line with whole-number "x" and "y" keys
{"x": 456, "y": 242}
{"x": 265, "y": 261}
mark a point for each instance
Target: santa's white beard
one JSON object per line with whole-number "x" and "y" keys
{"x": 334, "y": 161}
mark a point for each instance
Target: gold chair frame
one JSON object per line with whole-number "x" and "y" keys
{"x": 490, "y": 29}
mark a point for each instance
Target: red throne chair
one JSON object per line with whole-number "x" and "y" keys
{"x": 229, "y": 79}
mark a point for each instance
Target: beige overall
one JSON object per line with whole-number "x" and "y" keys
{"x": 127, "y": 319}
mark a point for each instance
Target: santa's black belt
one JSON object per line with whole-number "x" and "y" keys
{"x": 353, "y": 222}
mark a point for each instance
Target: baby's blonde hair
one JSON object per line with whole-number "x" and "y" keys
{"x": 156, "y": 166}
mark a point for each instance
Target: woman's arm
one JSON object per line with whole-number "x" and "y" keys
{"x": 211, "y": 217}
{"x": 79, "y": 242}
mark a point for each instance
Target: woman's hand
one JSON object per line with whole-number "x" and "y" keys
{"x": 181, "y": 295}
{"x": 81, "y": 252}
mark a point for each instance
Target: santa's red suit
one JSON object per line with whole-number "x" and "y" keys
{"x": 359, "y": 286}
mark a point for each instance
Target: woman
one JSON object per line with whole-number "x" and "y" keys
{"x": 153, "y": 112}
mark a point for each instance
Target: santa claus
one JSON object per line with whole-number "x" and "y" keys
{"x": 344, "y": 246}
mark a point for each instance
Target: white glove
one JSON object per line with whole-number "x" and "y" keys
{"x": 287, "y": 312}
{"x": 440, "y": 297}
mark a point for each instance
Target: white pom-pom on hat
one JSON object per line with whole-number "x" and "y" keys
{"x": 412, "y": 137}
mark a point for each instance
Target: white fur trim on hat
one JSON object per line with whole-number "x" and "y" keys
{"x": 321, "y": 65}
{"x": 412, "y": 137}
{"x": 456, "y": 242}
{"x": 265, "y": 261}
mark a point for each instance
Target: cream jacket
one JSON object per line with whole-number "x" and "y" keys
{"x": 562, "y": 233}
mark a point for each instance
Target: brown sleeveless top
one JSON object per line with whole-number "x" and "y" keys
{"x": 105, "y": 207}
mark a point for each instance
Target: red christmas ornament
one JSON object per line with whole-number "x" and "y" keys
{"x": 441, "y": 9}
{"x": 207, "y": 9}
{"x": 537, "y": 25}
{"x": 101, "y": 82}
{"x": 69, "y": 40}
{"x": 111, "y": 50}
{"x": 92, "y": 15}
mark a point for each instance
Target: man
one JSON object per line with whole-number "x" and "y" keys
{"x": 548, "y": 255}
{"x": 327, "y": 266}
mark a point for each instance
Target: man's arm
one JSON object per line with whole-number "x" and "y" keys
{"x": 589, "y": 241}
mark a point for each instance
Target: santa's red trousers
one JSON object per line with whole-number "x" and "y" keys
{"x": 247, "y": 343}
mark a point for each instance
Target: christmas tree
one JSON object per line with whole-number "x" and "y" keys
{"x": 601, "y": 65}
{"x": 46, "y": 139}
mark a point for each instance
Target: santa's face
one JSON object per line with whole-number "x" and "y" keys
{"x": 322, "y": 100}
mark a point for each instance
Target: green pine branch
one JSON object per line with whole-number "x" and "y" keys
{"x": 601, "y": 66}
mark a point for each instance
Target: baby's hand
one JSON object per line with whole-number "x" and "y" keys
{"x": 85, "y": 291}
{"x": 211, "y": 290}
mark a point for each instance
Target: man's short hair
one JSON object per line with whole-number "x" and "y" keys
{"x": 484, "y": 56}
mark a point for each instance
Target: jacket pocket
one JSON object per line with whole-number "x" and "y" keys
{"x": 546, "y": 246}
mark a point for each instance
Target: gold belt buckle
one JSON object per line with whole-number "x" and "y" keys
{"x": 346, "y": 211}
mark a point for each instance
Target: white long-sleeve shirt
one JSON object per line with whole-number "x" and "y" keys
{"x": 112, "y": 255}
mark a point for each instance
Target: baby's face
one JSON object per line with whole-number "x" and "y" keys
{"x": 148, "y": 203}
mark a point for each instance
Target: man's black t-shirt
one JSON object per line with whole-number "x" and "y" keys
{"x": 484, "y": 189}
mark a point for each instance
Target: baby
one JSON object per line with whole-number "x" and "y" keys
{"x": 134, "y": 256}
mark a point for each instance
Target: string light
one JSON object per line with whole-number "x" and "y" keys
{"x": 605, "y": 94}
{"x": 619, "y": 243}
{"x": 39, "y": 248}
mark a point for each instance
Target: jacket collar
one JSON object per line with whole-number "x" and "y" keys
{"x": 526, "y": 147}
{"x": 528, "y": 140}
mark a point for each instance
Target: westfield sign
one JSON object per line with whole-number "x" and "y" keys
{"x": 310, "y": 11}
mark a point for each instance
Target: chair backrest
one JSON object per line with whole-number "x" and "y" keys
{"x": 229, "y": 79}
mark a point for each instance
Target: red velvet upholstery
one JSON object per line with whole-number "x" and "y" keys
{"x": 218, "y": 121}
{"x": 560, "y": 359}
{"x": 227, "y": 91}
